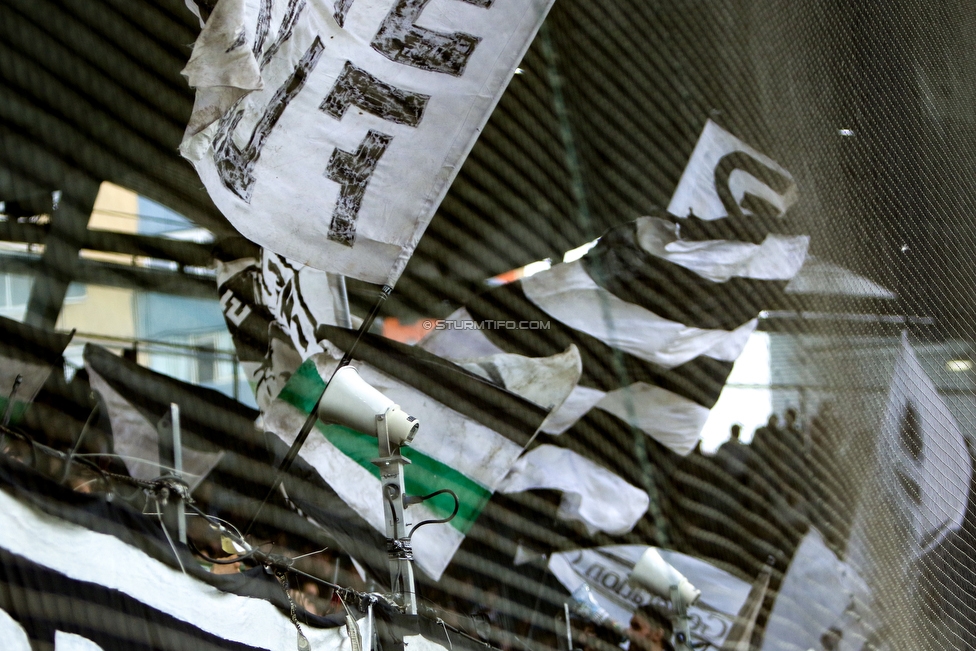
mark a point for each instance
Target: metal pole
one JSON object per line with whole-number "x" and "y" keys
{"x": 391, "y": 464}
{"x": 340, "y": 300}
{"x": 569, "y": 629}
{"x": 174, "y": 412}
{"x": 682, "y": 627}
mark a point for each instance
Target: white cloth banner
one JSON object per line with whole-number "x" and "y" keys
{"x": 605, "y": 571}
{"x": 339, "y": 154}
{"x": 113, "y": 564}
{"x": 593, "y": 495}
{"x": 821, "y": 598}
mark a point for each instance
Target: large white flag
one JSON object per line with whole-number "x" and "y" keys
{"x": 605, "y": 570}
{"x": 916, "y": 495}
{"x": 330, "y": 131}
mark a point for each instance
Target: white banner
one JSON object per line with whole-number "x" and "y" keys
{"x": 333, "y": 141}
{"x": 605, "y": 571}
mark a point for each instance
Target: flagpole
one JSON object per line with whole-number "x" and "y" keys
{"x": 313, "y": 415}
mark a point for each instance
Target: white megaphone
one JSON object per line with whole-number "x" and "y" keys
{"x": 350, "y": 401}
{"x": 656, "y": 575}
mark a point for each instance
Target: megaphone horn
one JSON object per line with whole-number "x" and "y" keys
{"x": 350, "y": 401}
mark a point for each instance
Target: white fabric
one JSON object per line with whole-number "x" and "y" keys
{"x": 592, "y": 495}
{"x": 606, "y": 569}
{"x": 291, "y": 205}
{"x": 221, "y": 67}
{"x": 819, "y": 592}
{"x": 908, "y": 505}
{"x": 671, "y": 419}
{"x": 55, "y": 544}
{"x": 545, "y": 381}
{"x": 71, "y": 642}
{"x": 779, "y": 257}
{"x": 569, "y": 294}
{"x": 944, "y": 471}
{"x": 12, "y": 633}
{"x": 696, "y": 190}
{"x": 136, "y": 440}
{"x": 580, "y": 401}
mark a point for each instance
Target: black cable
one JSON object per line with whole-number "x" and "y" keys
{"x": 457, "y": 507}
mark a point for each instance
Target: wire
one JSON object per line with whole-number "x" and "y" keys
{"x": 139, "y": 459}
{"x": 457, "y": 507}
{"x": 169, "y": 539}
{"x": 311, "y": 553}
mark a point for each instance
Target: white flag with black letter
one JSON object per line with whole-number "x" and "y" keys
{"x": 330, "y": 131}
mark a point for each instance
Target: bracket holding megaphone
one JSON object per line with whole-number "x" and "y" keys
{"x": 350, "y": 401}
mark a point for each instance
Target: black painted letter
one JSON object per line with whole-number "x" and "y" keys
{"x": 400, "y": 40}
{"x": 357, "y": 87}
{"x": 235, "y": 165}
{"x": 352, "y": 172}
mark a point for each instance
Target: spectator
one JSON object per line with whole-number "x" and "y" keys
{"x": 651, "y": 629}
{"x": 591, "y": 636}
{"x": 733, "y": 455}
{"x": 735, "y": 432}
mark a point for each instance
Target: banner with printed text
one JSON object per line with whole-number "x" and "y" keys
{"x": 329, "y": 131}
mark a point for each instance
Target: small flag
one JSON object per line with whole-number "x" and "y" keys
{"x": 135, "y": 416}
{"x": 27, "y": 357}
{"x": 916, "y": 496}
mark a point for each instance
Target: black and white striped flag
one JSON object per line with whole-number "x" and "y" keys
{"x": 659, "y": 308}
{"x": 84, "y": 572}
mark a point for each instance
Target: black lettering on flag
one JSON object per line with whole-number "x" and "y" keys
{"x": 235, "y": 166}
{"x": 352, "y": 172}
{"x": 399, "y": 39}
{"x": 263, "y": 25}
{"x": 357, "y": 87}
{"x": 341, "y": 9}
{"x": 740, "y": 160}
{"x": 285, "y": 31}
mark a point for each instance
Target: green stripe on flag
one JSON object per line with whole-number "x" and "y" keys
{"x": 17, "y": 411}
{"x": 423, "y": 476}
